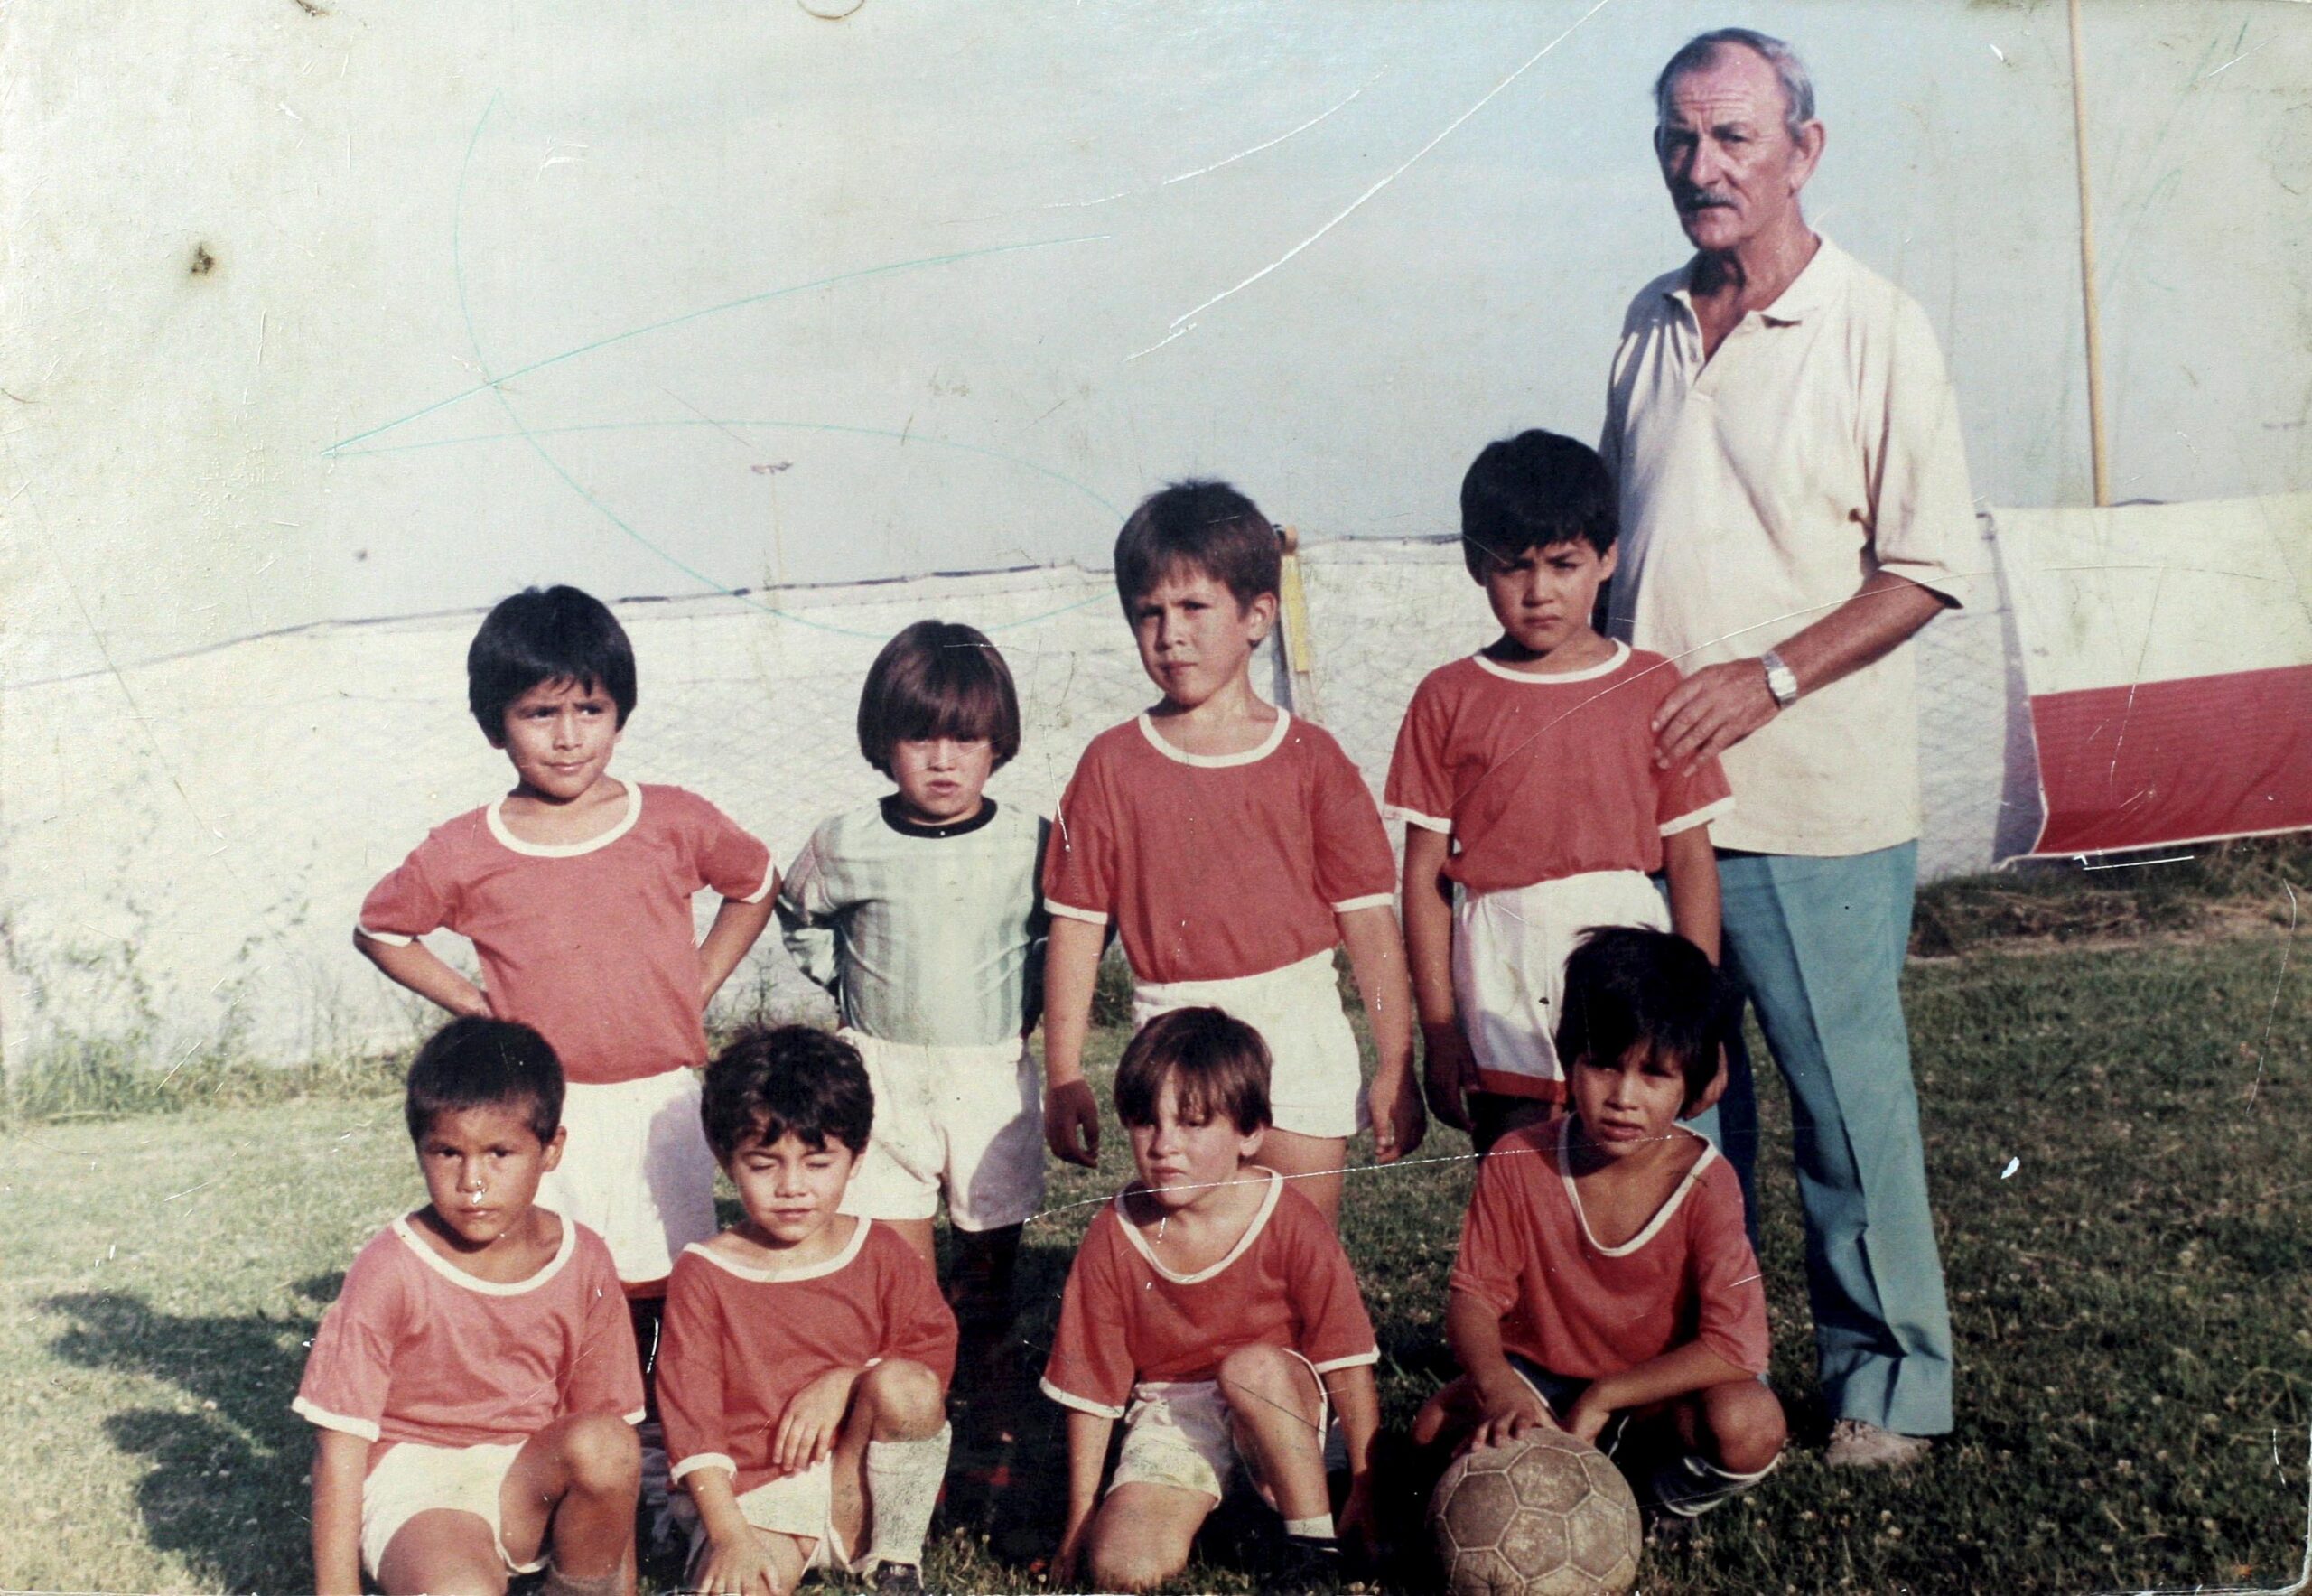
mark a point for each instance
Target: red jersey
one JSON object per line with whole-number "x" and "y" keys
{"x": 1217, "y": 865}
{"x": 740, "y": 1343}
{"x": 591, "y": 943}
{"x": 414, "y": 1349}
{"x": 1539, "y": 777}
{"x": 1126, "y": 1319}
{"x": 1585, "y": 1311}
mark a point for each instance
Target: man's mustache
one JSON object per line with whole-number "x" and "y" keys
{"x": 1703, "y": 199}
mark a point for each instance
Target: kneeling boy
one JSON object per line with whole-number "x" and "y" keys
{"x": 1605, "y": 1281}
{"x": 1212, "y": 1310}
{"x": 475, "y": 1384}
{"x": 804, "y": 1380}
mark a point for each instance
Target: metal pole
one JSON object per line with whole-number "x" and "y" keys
{"x": 2096, "y": 440}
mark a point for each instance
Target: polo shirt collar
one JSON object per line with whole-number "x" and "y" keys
{"x": 1809, "y": 293}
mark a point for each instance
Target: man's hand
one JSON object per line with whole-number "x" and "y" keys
{"x": 1072, "y": 1122}
{"x": 1449, "y": 1073}
{"x": 1710, "y": 712}
{"x": 812, "y": 1419}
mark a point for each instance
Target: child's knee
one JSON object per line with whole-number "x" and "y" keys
{"x": 1131, "y": 1563}
{"x": 1263, "y": 1375}
{"x": 904, "y": 1395}
{"x": 604, "y": 1455}
{"x": 1745, "y": 1424}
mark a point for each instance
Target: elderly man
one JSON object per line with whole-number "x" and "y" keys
{"x": 1795, "y": 506}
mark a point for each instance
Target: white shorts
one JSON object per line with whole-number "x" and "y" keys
{"x": 1316, "y": 1081}
{"x": 1509, "y": 952}
{"x": 967, "y": 1118}
{"x": 1177, "y": 1432}
{"x": 798, "y": 1505}
{"x": 413, "y": 1479}
{"x": 637, "y": 1170}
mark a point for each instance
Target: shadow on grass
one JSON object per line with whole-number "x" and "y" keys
{"x": 227, "y": 1490}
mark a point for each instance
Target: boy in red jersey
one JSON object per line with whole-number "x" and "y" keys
{"x": 1605, "y": 1284}
{"x": 474, "y": 1385}
{"x": 807, "y": 1351}
{"x": 1525, "y": 774}
{"x": 1234, "y": 847}
{"x": 1212, "y": 1310}
{"x": 575, "y": 890}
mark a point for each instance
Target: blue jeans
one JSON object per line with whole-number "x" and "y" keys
{"x": 1818, "y": 946}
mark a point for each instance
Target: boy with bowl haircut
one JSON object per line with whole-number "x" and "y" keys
{"x": 1604, "y": 1278}
{"x": 1212, "y": 1310}
{"x": 1533, "y": 807}
{"x": 920, "y": 913}
{"x": 474, "y": 1386}
{"x": 1234, "y": 847}
{"x": 807, "y": 1351}
{"x": 575, "y": 890}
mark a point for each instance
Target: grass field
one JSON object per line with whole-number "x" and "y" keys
{"x": 2133, "y": 1305}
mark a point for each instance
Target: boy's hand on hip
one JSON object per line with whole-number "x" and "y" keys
{"x": 1449, "y": 1071}
{"x": 1072, "y": 1122}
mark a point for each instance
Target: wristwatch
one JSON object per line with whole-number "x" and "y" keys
{"x": 1781, "y": 682}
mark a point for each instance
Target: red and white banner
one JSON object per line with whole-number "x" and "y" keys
{"x": 2167, "y": 651}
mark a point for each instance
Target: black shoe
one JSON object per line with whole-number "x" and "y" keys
{"x": 898, "y": 1579}
{"x": 1306, "y": 1564}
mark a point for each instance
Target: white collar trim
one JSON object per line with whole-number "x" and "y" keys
{"x": 1243, "y": 1242}
{"x": 1218, "y": 761}
{"x": 1660, "y": 1215}
{"x": 497, "y": 830}
{"x": 491, "y": 1288}
{"x": 1605, "y": 668}
{"x": 820, "y": 1270}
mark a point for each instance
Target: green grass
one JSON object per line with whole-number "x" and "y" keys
{"x": 2133, "y": 1306}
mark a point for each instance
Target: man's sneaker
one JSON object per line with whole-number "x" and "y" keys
{"x": 898, "y": 1579}
{"x": 1858, "y": 1443}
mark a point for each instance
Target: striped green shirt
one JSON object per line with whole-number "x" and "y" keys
{"x": 929, "y": 936}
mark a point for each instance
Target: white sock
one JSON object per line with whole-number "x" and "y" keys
{"x": 1692, "y": 1484}
{"x": 1319, "y": 1529}
{"x": 903, "y": 1480}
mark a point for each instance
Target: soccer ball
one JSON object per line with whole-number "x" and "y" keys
{"x": 1544, "y": 1515}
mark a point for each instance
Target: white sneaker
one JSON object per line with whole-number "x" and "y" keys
{"x": 1858, "y": 1443}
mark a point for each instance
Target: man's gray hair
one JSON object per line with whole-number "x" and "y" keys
{"x": 1700, "y": 52}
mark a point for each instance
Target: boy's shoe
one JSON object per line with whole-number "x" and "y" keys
{"x": 1858, "y": 1443}
{"x": 896, "y": 1579}
{"x": 1306, "y": 1564}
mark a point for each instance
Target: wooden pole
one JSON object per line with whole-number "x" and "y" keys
{"x": 2097, "y": 444}
{"x": 1300, "y": 644}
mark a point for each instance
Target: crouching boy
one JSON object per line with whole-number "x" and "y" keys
{"x": 804, "y": 1380}
{"x": 1212, "y": 1310}
{"x": 475, "y": 1384}
{"x": 1605, "y": 1284}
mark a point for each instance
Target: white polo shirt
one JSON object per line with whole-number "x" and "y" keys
{"x": 1817, "y": 444}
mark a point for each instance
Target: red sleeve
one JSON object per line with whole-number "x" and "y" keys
{"x": 690, "y": 1370}
{"x": 414, "y": 897}
{"x": 1494, "y": 1245}
{"x": 729, "y": 859}
{"x": 918, "y": 1324}
{"x": 1090, "y": 1367}
{"x": 1336, "y": 1331}
{"x": 1419, "y": 790}
{"x": 607, "y": 1376}
{"x": 1354, "y": 866}
{"x": 350, "y": 1367}
{"x": 1081, "y": 863}
{"x": 1730, "y": 1298}
{"x": 1681, "y": 798}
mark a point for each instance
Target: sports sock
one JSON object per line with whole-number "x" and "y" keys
{"x": 902, "y": 1488}
{"x": 559, "y": 1583}
{"x": 1690, "y": 1486}
{"x": 1319, "y": 1529}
